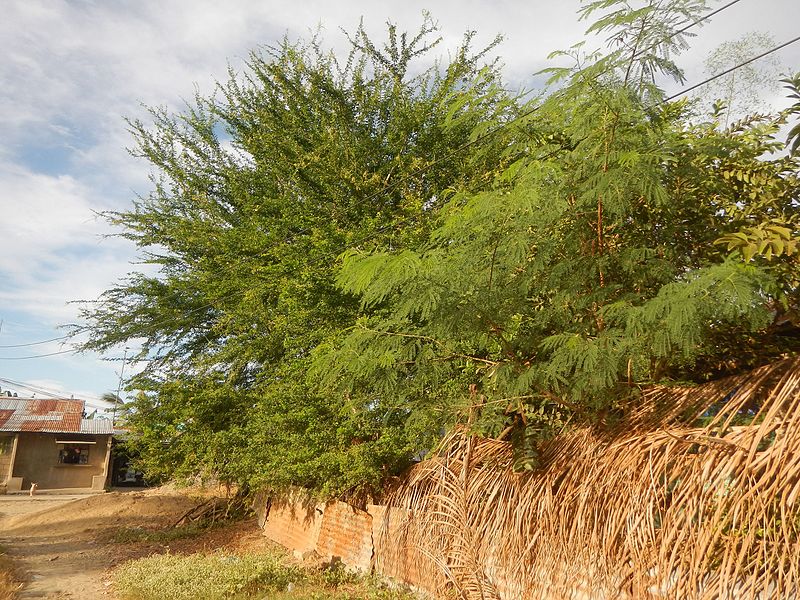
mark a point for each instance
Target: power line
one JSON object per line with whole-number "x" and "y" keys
{"x": 422, "y": 170}
{"x": 697, "y": 22}
{"x": 47, "y": 392}
{"x": 70, "y": 351}
{"x": 19, "y": 384}
{"x": 55, "y": 339}
{"x": 730, "y": 70}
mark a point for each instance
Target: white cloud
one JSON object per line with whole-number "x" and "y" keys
{"x": 41, "y": 211}
{"x": 72, "y": 69}
{"x": 56, "y": 249}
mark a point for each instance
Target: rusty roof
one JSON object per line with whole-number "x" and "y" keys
{"x": 48, "y": 416}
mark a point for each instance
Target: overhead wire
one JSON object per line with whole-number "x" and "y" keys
{"x": 732, "y": 69}
{"x": 47, "y": 392}
{"x": 39, "y": 343}
{"x": 697, "y": 22}
{"x": 69, "y": 351}
{"x": 424, "y": 169}
{"x": 32, "y": 388}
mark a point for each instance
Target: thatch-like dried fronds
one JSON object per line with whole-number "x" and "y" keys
{"x": 10, "y": 584}
{"x": 658, "y": 508}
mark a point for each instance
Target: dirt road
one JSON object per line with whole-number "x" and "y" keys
{"x": 62, "y": 543}
{"x": 22, "y": 504}
{"x": 55, "y": 564}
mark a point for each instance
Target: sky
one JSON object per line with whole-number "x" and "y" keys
{"x": 74, "y": 70}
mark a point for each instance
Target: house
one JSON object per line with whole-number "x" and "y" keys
{"x": 51, "y": 444}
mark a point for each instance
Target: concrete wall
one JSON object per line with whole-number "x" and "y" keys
{"x": 37, "y": 462}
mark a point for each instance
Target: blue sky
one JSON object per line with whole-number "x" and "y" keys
{"x": 72, "y": 69}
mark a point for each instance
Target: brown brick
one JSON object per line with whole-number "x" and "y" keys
{"x": 294, "y": 523}
{"x": 346, "y": 533}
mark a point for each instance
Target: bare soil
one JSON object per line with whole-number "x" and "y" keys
{"x": 63, "y": 545}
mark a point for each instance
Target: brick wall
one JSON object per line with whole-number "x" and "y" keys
{"x": 371, "y": 540}
{"x": 346, "y": 534}
{"x": 293, "y": 522}
{"x": 361, "y": 540}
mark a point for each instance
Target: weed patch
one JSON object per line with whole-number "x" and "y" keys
{"x": 127, "y": 535}
{"x": 224, "y": 576}
{"x": 202, "y": 577}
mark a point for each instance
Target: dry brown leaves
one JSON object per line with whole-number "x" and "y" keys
{"x": 9, "y": 582}
{"x": 656, "y": 509}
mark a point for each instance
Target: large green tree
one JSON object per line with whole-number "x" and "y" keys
{"x": 625, "y": 245}
{"x": 354, "y": 255}
{"x": 257, "y": 190}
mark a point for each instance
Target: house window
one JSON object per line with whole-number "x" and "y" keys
{"x": 74, "y": 454}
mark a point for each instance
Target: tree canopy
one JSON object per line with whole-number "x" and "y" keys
{"x": 356, "y": 254}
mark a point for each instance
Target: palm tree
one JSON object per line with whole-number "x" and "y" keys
{"x": 113, "y": 399}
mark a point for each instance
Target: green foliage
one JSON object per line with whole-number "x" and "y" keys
{"x": 793, "y": 85}
{"x": 519, "y": 267}
{"x": 221, "y": 576}
{"x": 256, "y": 191}
{"x": 643, "y": 40}
{"x": 770, "y": 240}
{"x": 593, "y": 264}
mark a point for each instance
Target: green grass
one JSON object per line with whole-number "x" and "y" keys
{"x": 247, "y": 576}
{"x": 125, "y": 535}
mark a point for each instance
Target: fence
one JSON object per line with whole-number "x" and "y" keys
{"x": 696, "y": 495}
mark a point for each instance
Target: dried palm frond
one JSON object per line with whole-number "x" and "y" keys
{"x": 661, "y": 507}
{"x": 213, "y": 510}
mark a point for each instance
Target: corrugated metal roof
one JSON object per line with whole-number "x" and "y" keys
{"x": 96, "y": 426}
{"x": 48, "y": 416}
